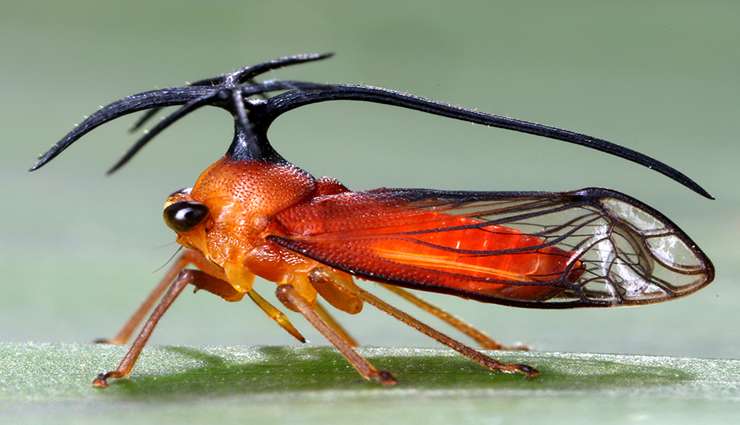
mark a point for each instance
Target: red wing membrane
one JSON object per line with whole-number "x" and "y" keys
{"x": 592, "y": 247}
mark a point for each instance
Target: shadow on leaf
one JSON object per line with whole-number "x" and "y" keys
{"x": 314, "y": 369}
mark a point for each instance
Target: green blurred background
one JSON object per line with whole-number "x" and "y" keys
{"x": 79, "y": 250}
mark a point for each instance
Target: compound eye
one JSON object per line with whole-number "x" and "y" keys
{"x": 184, "y": 215}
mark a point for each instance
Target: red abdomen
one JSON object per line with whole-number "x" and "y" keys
{"x": 452, "y": 246}
{"x": 428, "y": 250}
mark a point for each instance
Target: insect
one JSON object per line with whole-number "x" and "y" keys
{"x": 253, "y": 213}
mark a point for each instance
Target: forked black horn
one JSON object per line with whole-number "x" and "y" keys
{"x": 119, "y": 108}
{"x": 231, "y": 100}
{"x": 231, "y": 91}
{"x": 245, "y": 74}
{"x": 226, "y": 91}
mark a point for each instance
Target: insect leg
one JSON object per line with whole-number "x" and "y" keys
{"x": 477, "y": 335}
{"x": 127, "y": 363}
{"x": 331, "y": 321}
{"x": 197, "y": 278}
{"x": 135, "y": 320}
{"x": 128, "y": 328}
{"x": 290, "y": 297}
{"x": 480, "y": 358}
{"x": 278, "y": 316}
{"x": 227, "y": 292}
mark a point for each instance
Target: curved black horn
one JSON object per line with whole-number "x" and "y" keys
{"x": 119, "y": 108}
{"x": 252, "y": 117}
{"x": 290, "y": 100}
{"x": 191, "y": 97}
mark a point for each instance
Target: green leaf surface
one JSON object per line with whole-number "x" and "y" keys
{"x": 50, "y": 383}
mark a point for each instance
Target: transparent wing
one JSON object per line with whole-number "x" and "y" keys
{"x": 587, "y": 248}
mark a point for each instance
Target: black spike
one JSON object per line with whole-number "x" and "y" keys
{"x": 145, "y": 117}
{"x": 119, "y": 108}
{"x": 244, "y": 74}
{"x": 162, "y": 125}
{"x": 247, "y": 73}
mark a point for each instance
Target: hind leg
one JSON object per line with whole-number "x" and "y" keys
{"x": 477, "y": 335}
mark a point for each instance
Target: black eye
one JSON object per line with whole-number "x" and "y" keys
{"x": 184, "y": 215}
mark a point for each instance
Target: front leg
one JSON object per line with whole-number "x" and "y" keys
{"x": 186, "y": 258}
{"x": 197, "y": 278}
{"x": 290, "y": 297}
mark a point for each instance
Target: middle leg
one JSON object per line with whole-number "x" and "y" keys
{"x": 331, "y": 321}
{"x": 290, "y": 297}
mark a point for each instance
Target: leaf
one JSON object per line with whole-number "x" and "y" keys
{"x": 50, "y": 383}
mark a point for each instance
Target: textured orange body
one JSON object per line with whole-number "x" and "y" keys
{"x": 250, "y": 200}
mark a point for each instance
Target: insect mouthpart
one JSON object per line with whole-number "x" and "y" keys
{"x": 184, "y": 215}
